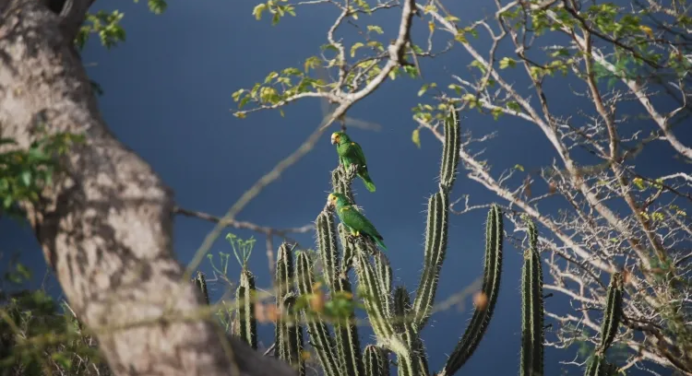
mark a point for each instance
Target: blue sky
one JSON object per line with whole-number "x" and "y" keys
{"x": 168, "y": 96}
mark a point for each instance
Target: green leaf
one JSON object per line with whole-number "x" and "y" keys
{"x": 355, "y": 47}
{"x": 375, "y": 28}
{"x": 422, "y": 90}
{"x": 415, "y": 137}
{"x": 507, "y": 63}
{"x": 257, "y": 11}
{"x": 519, "y": 167}
{"x": 157, "y": 6}
{"x": 514, "y": 106}
{"x": 26, "y": 178}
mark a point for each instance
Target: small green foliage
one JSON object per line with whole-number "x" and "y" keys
{"x": 507, "y": 62}
{"x": 274, "y": 7}
{"x": 106, "y": 25}
{"x": 25, "y": 172}
{"x": 242, "y": 249}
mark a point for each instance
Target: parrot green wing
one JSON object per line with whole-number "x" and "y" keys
{"x": 356, "y": 221}
{"x": 358, "y": 154}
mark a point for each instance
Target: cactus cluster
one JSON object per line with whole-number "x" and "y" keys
{"x": 396, "y": 320}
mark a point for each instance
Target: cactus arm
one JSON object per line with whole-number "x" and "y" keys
{"x": 245, "y": 296}
{"x": 289, "y": 334}
{"x": 384, "y": 275}
{"x": 491, "y": 288}
{"x": 613, "y": 312}
{"x": 379, "y": 319}
{"x": 532, "y": 309}
{"x": 201, "y": 284}
{"x": 322, "y": 340}
{"x": 404, "y": 325}
{"x": 435, "y": 248}
{"x": 347, "y": 341}
{"x": 326, "y": 239}
{"x": 450, "y": 150}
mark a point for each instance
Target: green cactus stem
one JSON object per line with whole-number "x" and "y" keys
{"x": 284, "y": 273}
{"x": 384, "y": 274}
{"x": 613, "y": 312}
{"x": 598, "y": 366}
{"x": 201, "y": 284}
{"x": 491, "y": 288}
{"x": 376, "y": 362}
{"x": 347, "y": 341}
{"x": 532, "y": 308}
{"x": 320, "y": 337}
{"x": 347, "y": 255}
{"x": 289, "y": 335}
{"x": 379, "y": 319}
{"x": 404, "y": 325}
{"x": 245, "y": 300}
{"x": 342, "y": 184}
{"x": 450, "y": 151}
{"x": 435, "y": 248}
{"x": 326, "y": 239}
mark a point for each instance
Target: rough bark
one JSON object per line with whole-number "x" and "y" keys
{"x": 106, "y": 226}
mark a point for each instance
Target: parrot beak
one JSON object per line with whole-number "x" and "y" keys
{"x": 335, "y": 138}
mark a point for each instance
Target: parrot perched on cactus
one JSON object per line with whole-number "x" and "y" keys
{"x": 350, "y": 153}
{"x": 356, "y": 222}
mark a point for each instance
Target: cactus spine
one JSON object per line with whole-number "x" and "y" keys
{"x": 490, "y": 288}
{"x": 405, "y": 326}
{"x": 532, "y": 309}
{"x": 245, "y": 312}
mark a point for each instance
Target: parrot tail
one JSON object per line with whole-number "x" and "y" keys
{"x": 367, "y": 181}
{"x": 379, "y": 242}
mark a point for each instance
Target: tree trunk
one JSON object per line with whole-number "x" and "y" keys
{"x": 106, "y": 225}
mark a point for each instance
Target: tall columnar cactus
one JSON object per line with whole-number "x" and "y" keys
{"x": 489, "y": 290}
{"x": 245, "y": 311}
{"x": 598, "y": 366}
{"x": 532, "y": 309}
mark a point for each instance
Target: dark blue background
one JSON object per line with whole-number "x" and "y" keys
{"x": 168, "y": 96}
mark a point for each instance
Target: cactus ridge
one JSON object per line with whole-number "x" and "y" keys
{"x": 491, "y": 288}
{"x": 613, "y": 312}
{"x": 326, "y": 236}
{"x": 435, "y": 248}
{"x": 245, "y": 296}
{"x": 450, "y": 151}
{"x": 201, "y": 284}
{"x": 532, "y": 308}
{"x": 376, "y": 362}
{"x": 320, "y": 336}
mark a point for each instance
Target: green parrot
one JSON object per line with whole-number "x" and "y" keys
{"x": 350, "y": 153}
{"x": 356, "y": 222}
